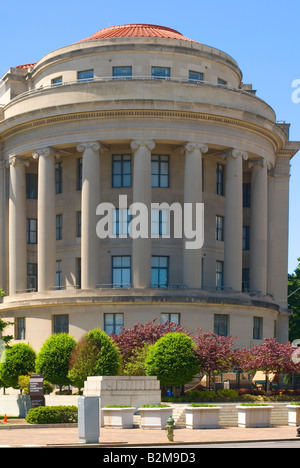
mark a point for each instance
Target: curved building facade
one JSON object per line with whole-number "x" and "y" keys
{"x": 141, "y": 112}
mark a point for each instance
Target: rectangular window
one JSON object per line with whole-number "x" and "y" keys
{"x": 161, "y": 73}
{"x": 121, "y": 221}
{"x": 220, "y": 179}
{"x": 32, "y": 276}
{"x": 257, "y": 328}
{"x": 220, "y": 228}
{"x": 113, "y": 323}
{"x": 58, "y": 275}
{"x": 245, "y": 279}
{"x": 247, "y": 195}
{"x": 31, "y": 186}
{"x": 20, "y": 328}
{"x": 61, "y": 323}
{"x": 78, "y": 224}
{"x": 121, "y": 170}
{"x": 222, "y": 82}
{"x": 160, "y": 223}
{"x": 56, "y": 81}
{"x": 219, "y": 274}
{"x": 59, "y": 221}
{"x": 78, "y": 272}
{"x": 160, "y": 170}
{"x": 159, "y": 272}
{"x": 31, "y": 231}
{"x": 174, "y": 318}
{"x": 246, "y": 237}
{"x": 85, "y": 75}
{"x": 122, "y": 73}
{"x": 121, "y": 272}
{"x": 79, "y": 173}
{"x": 221, "y": 324}
{"x": 58, "y": 177}
{"x": 195, "y": 77}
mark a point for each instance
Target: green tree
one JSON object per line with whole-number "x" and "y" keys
{"x": 53, "y": 358}
{"x": 172, "y": 359}
{"x": 19, "y": 360}
{"x": 294, "y": 303}
{"x": 95, "y": 354}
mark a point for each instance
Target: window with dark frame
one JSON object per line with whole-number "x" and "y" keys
{"x": 79, "y": 173}
{"x": 246, "y": 237}
{"x": 85, "y": 75}
{"x": 121, "y": 170}
{"x": 58, "y": 177}
{"x": 122, "y": 73}
{"x": 246, "y": 195}
{"x": 220, "y": 228}
{"x": 78, "y": 224}
{"x": 170, "y": 317}
{"x": 160, "y": 167}
{"x": 61, "y": 323}
{"x": 56, "y": 81}
{"x": 121, "y": 271}
{"x": 245, "y": 279}
{"x": 221, "y": 323}
{"x": 161, "y": 73}
{"x": 21, "y": 328}
{"x": 113, "y": 323}
{"x": 220, "y": 179}
{"x": 59, "y": 227}
{"x": 159, "y": 272}
{"x": 195, "y": 77}
{"x": 219, "y": 275}
{"x": 32, "y": 276}
{"x": 58, "y": 274}
{"x": 257, "y": 328}
{"x": 121, "y": 222}
{"x": 31, "y": 231}
{"x": 31, "y": 186}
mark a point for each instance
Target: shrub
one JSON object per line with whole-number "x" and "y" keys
{"x": 156, "y": 406}
{"x": 52, "y": 415}
{"x": 198, "y": 405}
{"x": 19, "y": 360}
{"x": 228, "y": 394}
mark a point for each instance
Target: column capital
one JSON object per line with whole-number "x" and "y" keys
{"x": 16, "y": 161}
{"x": 261, "y": 162}
{"x": 46, "y": 152}
{"x": 235, "y": 153}
{"x": 192, "y": 146}
{"x": 93, "y": 145}
{"x": 149, "y": 144}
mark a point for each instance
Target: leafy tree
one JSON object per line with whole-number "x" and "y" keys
{"x": 53, "y": 358}
{"x": 172, "y": 359}
{"x": 95, "y": 354}
{"x": 19, "y": 360}
{"x": 294, "y": 303}
{"x": 136, "y": 364}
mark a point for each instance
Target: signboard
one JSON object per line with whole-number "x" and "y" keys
{"x": 36, "y": 390}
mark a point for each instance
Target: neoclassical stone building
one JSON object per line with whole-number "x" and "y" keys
{"x": 141, "y": 111}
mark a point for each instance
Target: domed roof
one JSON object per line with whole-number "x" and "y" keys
{"x": 137, "y": 30}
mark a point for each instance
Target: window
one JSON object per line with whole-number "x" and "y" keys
{"x": 121, "y": 170}
{"x": 121, "y": 221}
{"x": 31, "y": 186}
{"x": 160, "y": 223}
{"x": 159, "y": 272}
{"x": 220, "y": 179}
{"x": 56, "y": 81}
{"x": 245, "y": 279}
{"x": 161, "y": 73}
{"x": 121, "y": 272}
{"x": 219, "y": 274}
{"x": 59, "y": 227}
{"x": 31, "y": 231}
{"x": 79, "y": 173}
{"x": 20, "y": 328}
{"x": 222, "y": 82}
{"x": 61, "y": 323}
{"x": 246, "y": 237}
{"x": 78, "y": 223}
{"x": 85, "y": 75}
{"x": 78, "y": 272}
{"x": 174, "y": 318}
{"x": 257, "y": 328}
{"x": 122, "y": 73}
{"x": 220, "y": 228}
{"x": 221, "y": 324}
{"x": 160, "y": 171}
{"x": 32, "y": 276}
{"x": 113, "y": 323}
{"x": 247, "y": 195}
{"x": 58, "y": 177}
{"x": 195, "y": 77}
{"x": 58, "y": 274}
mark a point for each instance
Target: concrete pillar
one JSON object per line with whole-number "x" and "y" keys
{"x": 46, "y": 218}
{"x": 17, "y": 225}
{"x": 142, "y": 191}
{"x": 233, "y": 224}
{"x": 192, "y": 258}
{"x": 259, "y": 226}
{"x": 90, "y": 199}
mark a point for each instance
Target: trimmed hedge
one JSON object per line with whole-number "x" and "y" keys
{"x": 52, "y": 415}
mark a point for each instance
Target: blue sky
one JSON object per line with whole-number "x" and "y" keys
{"x": 262, "y": 36}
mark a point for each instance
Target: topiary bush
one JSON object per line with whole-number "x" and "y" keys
{"x": 52, "y": 415}
{"x": 19, "y": 360}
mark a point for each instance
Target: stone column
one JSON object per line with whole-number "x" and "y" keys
{"x": 141, "y": 246}
{"x": 259, "y": 226}
{"x": 17, "y": 225}
{"x": 90, "y": 199}
{"x": 46, "y": 218}
{"x": 192, "y": 258}
{"x": 233, "y": 235}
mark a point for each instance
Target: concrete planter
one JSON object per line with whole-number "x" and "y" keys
{"x": 294, "y": 415}
{"x": 155, "y": 418}
{"x": 118, "y": 418}
{"x": 254, "y": 416}
{"x": 202, "y": 417}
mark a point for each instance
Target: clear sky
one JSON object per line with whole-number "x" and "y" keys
{"x": 263, "y": 36}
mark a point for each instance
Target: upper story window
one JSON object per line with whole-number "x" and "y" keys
{"x": 257, "y": 328}
{"x": 61, "y": 323}
{"x": 246, "y": 237}
{"x": 221, "y": 324}
{"x": 121, "y": 271}
{"x": 31, "y": 231}
{"x": 222, "y": 82}
{"x": 121, "y": 222}
{"x": 160, "y": 170}
{"x": 220, "y": 179}
{"x": 58, "y": 177}
{"x": 121, "y": 170}
{"x": 161, "y": 73}
{"x": 159, "y": 272}
{"x": 85, "y": 75}
{"x": 31, "y": 186}
{"x": 122, "y": 73}
{"x": 219, "y": 274}
{"x": 195, "y": 77}
{"x": 246, "y": 195}
{"x": 220, "y": 228}
{"x": 79, "y": 173}
{"x": 56, "y": 81}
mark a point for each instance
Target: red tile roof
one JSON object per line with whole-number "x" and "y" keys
{"x": 27, "y": 65}
{"x": 137, "y": 30}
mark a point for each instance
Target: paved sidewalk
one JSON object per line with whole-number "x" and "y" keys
{"x": 66, "y": 436}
